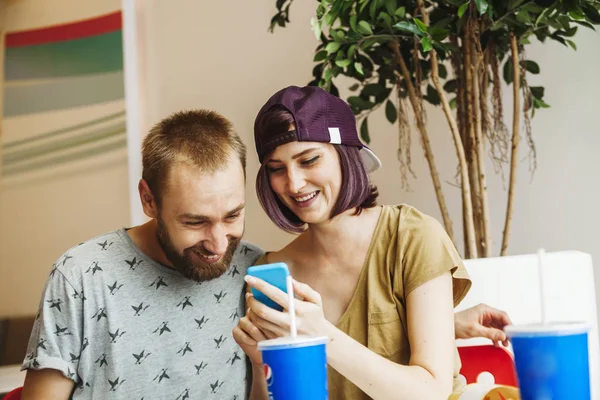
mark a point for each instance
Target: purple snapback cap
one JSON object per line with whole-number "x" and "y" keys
{"x": 319, "y": 116}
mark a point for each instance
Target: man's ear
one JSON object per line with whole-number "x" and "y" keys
{"x": 148, "y": 200}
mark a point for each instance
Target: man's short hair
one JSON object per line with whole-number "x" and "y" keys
{"x": 201, "y": 138}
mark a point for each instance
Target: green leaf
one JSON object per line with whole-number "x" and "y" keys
{"x": 586, "y": 24}
{"x": 320, "y": 56}
{"x": 343, "y": 63}
{"x": 351, "y": 51}
{"x": 421, "y": 25}
{"x": 373, "y": 8}
{"x": 353, "y": 26}
{"x": 508, "y": 71}
{"x": 572, "y": 44}
{"x": 365, "y": 28}
{"x": 438, "y": 34}
{"x": 442, "y": 71}
{"x": 432, "y": 96}
{"x": 452, "y": 103}
{"x": 533, "y": 8}
{"x": 386, "y": 19}
{"x": 450, "y": 86}
{"x": 358, "y": 68}
{"x": 591, "y": 14}
{"x": 316, "y": 27}
{"x": 332, "y": 47}
{"x": 523, "y": 17}
{"x": 354, "y": 87}
{"x": 372, "y": 89}
{"x": 390, "y": 6}
{"x": 390, "y": 112}
{"x": 368, "y": 43}
{"x": 408, "y": 27}
{"x": 339, "y": 35}
{"x": 537, "y": 91}
{"x": 364, "y": 131}
{"x": 401, "y": 12}
{"x": 524, "y": 40}
{"x": 568, "y": 33}
{"x": 538, "y": 103}
{"x": 532, "y": 67}
{"x": 482, "y": 6}
{"x": 426, "y": 44}
{"x": 359, "y": 102}
{"x": 462, "y": 9}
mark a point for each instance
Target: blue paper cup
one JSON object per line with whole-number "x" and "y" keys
{"x": 552, "y": 360}
{"x": 295, "y": 369}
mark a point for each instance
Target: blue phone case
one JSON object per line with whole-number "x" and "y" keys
{"x": 274, "y": 274}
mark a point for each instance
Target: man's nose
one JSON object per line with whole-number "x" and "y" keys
{"x": 217, "y": 240}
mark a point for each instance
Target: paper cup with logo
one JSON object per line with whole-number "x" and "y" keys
{"x": 295, "y": 369}
{"x": 552, "y": 360}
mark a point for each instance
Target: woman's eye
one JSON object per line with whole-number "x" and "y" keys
{"x": 272, "y": 170}
{"x": 310, "y": 161}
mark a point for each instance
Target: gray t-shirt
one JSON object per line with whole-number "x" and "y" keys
{"x": 122, "y": 326}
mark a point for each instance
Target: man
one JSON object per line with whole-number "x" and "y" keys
{"x": 148, "y": 312}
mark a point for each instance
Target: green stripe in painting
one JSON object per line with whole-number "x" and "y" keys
{"x": 91, "y": 55}
{"x": 64, "y": 144}
{"x": 68, "y": 158}
{"x": 62, "y": 93}
{"x": 6, "y": 146}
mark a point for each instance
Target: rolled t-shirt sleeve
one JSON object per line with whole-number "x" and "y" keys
{"x": 56, "y": 340}
{"x": 428, "y": 253}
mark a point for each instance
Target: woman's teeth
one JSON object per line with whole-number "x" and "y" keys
{"x": 305, "y": 198}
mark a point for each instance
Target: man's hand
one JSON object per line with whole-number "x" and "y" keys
{"x": 482, "y": 321}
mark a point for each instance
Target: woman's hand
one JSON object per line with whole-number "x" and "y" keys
{"x": 482, "y": 321}
{"x": 247, "y": 335}
{"x": 310, "y": 319}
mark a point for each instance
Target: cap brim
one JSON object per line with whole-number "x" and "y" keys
{"x": 370, "y": 160}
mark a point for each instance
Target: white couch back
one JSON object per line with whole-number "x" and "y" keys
{"x": 511, "y": 284}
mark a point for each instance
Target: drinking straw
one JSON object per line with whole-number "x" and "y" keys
{"x": 291, "y": 307}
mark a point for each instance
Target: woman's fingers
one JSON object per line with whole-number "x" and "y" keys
{"x": 307, "y": 293}
{"x": 242, "y": 337}
{"x": 250, "y": 329}
{"x": 267, "y": 313}
{"x": 268, "y": 290}
{"x": 271, "y": 329}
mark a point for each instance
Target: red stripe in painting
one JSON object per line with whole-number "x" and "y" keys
{"x": 58, "y": 33}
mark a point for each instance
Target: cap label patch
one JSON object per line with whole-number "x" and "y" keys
{"x": 334, "y": 136}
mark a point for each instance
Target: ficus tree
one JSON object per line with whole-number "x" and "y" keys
{"x": 452, "y": 54}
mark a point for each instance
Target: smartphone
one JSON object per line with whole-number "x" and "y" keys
{"x": 274, "y": 274}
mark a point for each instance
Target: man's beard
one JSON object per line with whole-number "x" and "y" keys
{"x": 188, "y": 263}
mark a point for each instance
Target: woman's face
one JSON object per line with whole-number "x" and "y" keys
{"x": 306, "y": 176}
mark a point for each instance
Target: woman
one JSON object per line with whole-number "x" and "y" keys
{"x": 380, "y": 281}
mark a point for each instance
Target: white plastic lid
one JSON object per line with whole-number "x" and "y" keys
{"x": 550, "y": 329}
{"x": 289, "y": 342}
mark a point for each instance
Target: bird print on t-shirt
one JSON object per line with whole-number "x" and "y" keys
{"x": 124, "y": 311}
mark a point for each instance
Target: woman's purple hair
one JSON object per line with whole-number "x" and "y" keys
{"x": 356, "y": 190}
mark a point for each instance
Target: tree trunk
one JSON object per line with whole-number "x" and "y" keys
{"x": 486, "y": 234}
{"x": 514, "y": 48}
{"x": 460, "y": 151}
{"x": 417, "y": 108}
{"x": 470, "y": 143}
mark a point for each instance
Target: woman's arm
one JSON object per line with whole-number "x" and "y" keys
{"x": 247, "y": 337}
{"x": 431, "y": 335}
{"x": 429, "y": 374}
